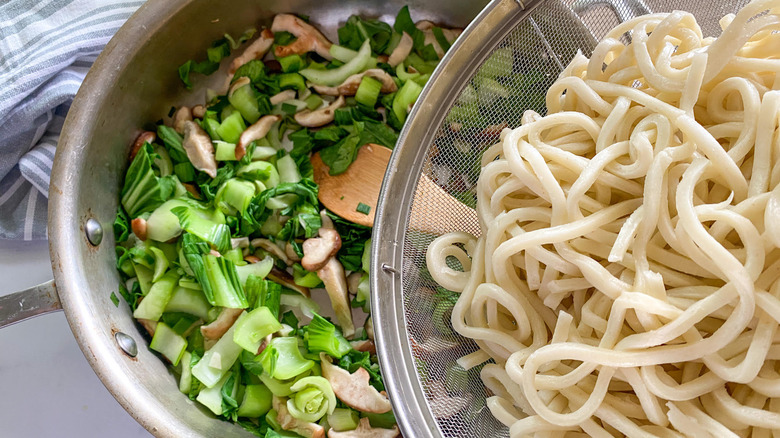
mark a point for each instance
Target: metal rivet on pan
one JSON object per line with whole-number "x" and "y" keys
{"x": 94, "y": 231}
{"x": 126, "y": 343}
{"x": 388, "y": 268}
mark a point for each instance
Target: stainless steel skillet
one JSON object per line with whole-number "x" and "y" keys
{"x": 133, "y": 84}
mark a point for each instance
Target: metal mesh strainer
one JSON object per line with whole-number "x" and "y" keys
{"x": 460, "y": 114}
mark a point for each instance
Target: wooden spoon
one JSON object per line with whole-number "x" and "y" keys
{"x": 362, "y": 182}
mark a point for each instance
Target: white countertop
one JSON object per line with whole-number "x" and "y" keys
{"x": 47, "y": 388}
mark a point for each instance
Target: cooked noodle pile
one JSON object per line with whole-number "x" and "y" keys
{"x": 627, "y": 279}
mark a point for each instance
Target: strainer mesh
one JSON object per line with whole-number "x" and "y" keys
{"x": 514, "y": 78}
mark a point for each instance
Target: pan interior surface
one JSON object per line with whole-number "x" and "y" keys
{"x": 133, "y": 84}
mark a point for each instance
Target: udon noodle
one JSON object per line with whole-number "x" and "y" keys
{"x": 626, "y": 281}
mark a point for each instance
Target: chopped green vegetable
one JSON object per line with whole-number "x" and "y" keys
{"x": 363, "y": 208}
{"x": 321, "y": 335}
{"x": 338, "y": 75}
{"x": 283, "y": 360}
{"x": 312, "y": 398}
{"x": 168, "y": 343}
{"x": 343, "y": 419}
{"x": 256, "y": 401}
{"x": 218, "y": 360}
{"x": 368, "y": 91}
{"x": 255, "y": 326}
{"x": 143, "y": 191}
{"x": 156, "y": 300}
{"x": 114, "y": 299}
{"x": 292, "y": 63}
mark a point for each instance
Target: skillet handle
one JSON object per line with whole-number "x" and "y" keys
{"x": 37, "y": 300}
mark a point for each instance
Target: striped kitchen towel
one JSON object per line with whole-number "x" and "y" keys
{"x": 46, "y": 48}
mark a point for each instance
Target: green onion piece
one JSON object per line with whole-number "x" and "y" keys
{"x": 313, "y": 102}
{"x": 289, "y": 108}
{"x": 244, "y": 99}
{"x": 321, "y": 335}
{"x": 292, "y": 63}
{"x": 168, "y": 343}
{"x": 256, "y": 402}
{"x": 114, "y": 299}
{"x": 153, "y": 304}
{"x": 231, "y": 127}
{"x": 189, "y": 301}
{"x": 363, "y": 208}
{"x": 368, "y": 91}
{"x": 405, "y": 98}
{"x": 251, "y": 330}
{"x": 218, "y": 360}
{"x": 291, "y": 81}
{"x": 313, "y": 398}
{"x": 343, "y": 419}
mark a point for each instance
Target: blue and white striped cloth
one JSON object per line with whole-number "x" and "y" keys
{"x": 46, "y": 48}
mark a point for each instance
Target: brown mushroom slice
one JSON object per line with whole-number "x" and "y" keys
{"x": 198, "y": 111}
{"x": 239, "y": 242}
{"x": 180, "y": 117}
{"x": 327, "y": 222}
{"x": 282, "y": 96}
{"x": 272, "y": 248}
{"x": 291, "y": 254}
{"x": 143, "y": 138}
{"x": 222, "y": 324}
{"x": 402, "y": 50}
{"x": 309, "y": 38}
{"x": 255, "y": 131}
{"x": 427, "y": 29}
{"x": 350, "y": 85}
{"x": 321, "y": 117}
{"x": 286, "y": 280}
{"x": 317, "y": 250}
{"x": 364, "y": 345}
{"x": 138, "y": 225}
{"x": 354, "y": 389}
{"x": 199, "y": 148}
{"x": 353, "y": 281}
{"x": 335, "y": 280}
{"x": 288, "y": 422}
{"x": 364, "y": 430}
{"x": 256, "y": 50}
